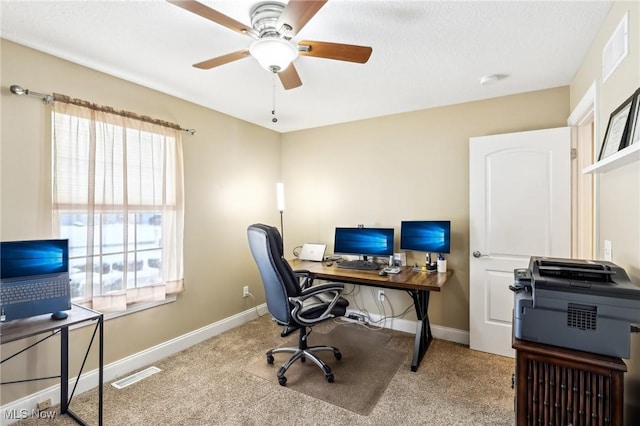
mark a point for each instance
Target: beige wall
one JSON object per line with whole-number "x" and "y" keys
{"x": 230, "y": 172}
{"x": 411, "y": 166}
{"x": 618, "y": 191}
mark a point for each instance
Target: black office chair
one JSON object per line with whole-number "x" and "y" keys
{"x": 291, "y": 301}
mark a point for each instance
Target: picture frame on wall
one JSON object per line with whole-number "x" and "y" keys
{"x": 634, "y": 123}
{"x": 617, "y": 133}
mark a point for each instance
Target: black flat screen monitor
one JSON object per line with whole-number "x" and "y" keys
{"x": 33, "y": 258}
{"x": 364, "y": 241}
{"x": 426, "y": 235}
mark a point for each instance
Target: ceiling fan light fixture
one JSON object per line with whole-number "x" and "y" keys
{"x": 273, "y": 53}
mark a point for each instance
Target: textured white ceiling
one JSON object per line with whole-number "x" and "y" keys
{"x": 425, "y": 53}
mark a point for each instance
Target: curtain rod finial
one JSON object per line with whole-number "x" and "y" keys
{"x": 18, "y": 90}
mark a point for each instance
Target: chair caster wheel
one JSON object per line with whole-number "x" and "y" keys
{"x": 270, "y": 359}
{"x": 330, "y": 378}
{"x": 283, "y": 380}
{"x": 338, "y": 355}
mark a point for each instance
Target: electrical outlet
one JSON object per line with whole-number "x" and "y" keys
{"x": 43, "y": 405}
{"x": 245, "y": 291}
{"x": 381, "y": 295}
{"x": 607, "y": 252}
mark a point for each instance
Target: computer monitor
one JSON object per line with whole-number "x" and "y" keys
{"x": 426, "y": 235}
{"x": 364, "y": 241}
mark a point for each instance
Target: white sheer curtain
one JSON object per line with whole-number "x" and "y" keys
{"x": 118, "y": 196}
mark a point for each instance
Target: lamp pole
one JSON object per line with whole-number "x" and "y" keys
{"x": 280, "y": 199}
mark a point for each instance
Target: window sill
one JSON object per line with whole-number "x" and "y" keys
{"x": 137, "y": 307}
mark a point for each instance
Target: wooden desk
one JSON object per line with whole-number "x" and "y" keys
{"x": 43, "y": 325}
{"x": 417, "y": 284}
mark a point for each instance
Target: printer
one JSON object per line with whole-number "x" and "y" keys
{"x": 586, "y": 305}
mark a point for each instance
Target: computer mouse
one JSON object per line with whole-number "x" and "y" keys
{"x": 382, "y": 273}
{"x": 59, "y": 315}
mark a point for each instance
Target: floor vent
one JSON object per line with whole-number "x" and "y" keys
{"x": 143, "y": 374}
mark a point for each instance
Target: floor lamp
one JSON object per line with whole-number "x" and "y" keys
{"x": 280, "y": 199}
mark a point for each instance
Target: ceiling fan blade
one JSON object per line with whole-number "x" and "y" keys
{"x": 213, "y": 15}
{"x": 297, "y": 13}
{"x": 221, "y": 60}
{"x": 290, "y": 78}
{"x": 337, "y": 51}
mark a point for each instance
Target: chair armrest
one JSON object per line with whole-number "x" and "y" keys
{"x": 331, "y": 289}
{"x": 322, "y": 288}
{"x": 304, "y": 278}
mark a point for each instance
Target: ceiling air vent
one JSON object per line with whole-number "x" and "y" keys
{"x": 616, "y": 49}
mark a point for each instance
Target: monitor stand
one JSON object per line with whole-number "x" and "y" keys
{"x": 431, "y": 266}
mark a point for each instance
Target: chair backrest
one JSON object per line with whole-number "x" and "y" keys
{"x": 277, "y": 276}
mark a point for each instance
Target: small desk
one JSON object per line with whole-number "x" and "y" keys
{"x": 27, "y": 327}
{"x": 417, "y": 284}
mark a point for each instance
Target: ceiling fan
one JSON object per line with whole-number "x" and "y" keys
{"x": 273, "y": 25}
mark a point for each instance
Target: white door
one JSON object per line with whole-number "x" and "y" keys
{"x": 519, "y": 206}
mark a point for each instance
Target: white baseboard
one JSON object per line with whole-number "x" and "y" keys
{"x": 27, "y": 406}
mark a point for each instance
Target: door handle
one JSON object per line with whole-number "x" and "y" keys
{"x": 477, "y": 254}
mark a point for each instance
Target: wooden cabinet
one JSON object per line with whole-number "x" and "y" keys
{"x": 558, "y": 386}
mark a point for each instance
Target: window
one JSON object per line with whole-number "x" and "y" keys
{"x": 107, "y": 273}
{"x": 117, "y": 196}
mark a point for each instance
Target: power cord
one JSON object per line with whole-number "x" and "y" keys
{"x": 354, "y": 290}
{"x": 400, "y": 315}
{"x": 249, "y": 294}
{"x": 381, "y": 307}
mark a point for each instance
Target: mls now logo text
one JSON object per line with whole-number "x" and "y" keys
{"x": 24, "y": 413}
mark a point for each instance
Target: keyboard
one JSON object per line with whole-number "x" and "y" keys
{"x": 24, "y": 297}
{"x": 34, "y": 290}
{"x": 364, "y": 265}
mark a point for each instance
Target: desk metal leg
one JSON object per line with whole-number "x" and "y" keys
{"x": 423, "y": 328}
{"x": 100, "y": 368}
{"x": 64, "y": 370}
{"x": 100, "y": 329}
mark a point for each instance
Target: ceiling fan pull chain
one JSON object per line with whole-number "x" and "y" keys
{"x": 273, "y": 110}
